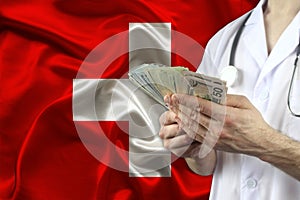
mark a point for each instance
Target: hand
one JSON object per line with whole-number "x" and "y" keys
{"x": 235, "y": 127}
{"x": 175, "y": 139}
{"x": 182, "y": 145}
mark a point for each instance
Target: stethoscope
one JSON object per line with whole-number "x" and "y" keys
{"x": 230, "y": 73}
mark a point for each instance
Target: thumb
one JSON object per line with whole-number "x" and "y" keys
{"x": 238, "y": 101}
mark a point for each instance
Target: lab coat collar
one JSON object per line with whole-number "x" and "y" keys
{"x": 285, "y": 46}
{"x": 256, "y": 46}
{"x": 253, "y": 19}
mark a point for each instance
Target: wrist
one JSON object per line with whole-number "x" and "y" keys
{"x": 276, "y": 145}
{"x": 265, "y": 142}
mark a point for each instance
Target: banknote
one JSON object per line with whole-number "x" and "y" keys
{"x": 158, "y": 80}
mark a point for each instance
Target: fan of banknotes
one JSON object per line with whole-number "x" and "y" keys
{"x": 158, "y": 80}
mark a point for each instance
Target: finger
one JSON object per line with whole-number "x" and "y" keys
{"x": 178, "y": 142}
{"x": 195, "y": 120}
{"x": 167, "y": 118}
{"x": 210, "y": 131}
{"x": 207, "y": 138}
{"x": 167, "y": 99}
{"x": 198, "y": 136}
{"x": 169, "y": 131}
{"x": 194, "y": 116}
{"x": 192, "y": 129}
{"x": 187, "y": 151}
{"x": 208, "y": 108}
{"x": 207, "y": 135}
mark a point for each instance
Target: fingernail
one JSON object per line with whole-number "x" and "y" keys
{"x": 174, "y": 99}
{"x": 167, "y": 99}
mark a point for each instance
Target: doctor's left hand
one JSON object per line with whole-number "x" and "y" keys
{"x": 239, "y": 126}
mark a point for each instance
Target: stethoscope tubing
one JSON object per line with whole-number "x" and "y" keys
{"x": 232, "y": 69}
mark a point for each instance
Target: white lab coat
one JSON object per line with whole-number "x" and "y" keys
{"x": 264, "y": 79}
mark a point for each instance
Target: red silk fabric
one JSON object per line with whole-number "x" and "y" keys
{"x": 42, "y": 45}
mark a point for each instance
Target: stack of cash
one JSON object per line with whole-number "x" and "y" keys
{"x": 158, "y": 80}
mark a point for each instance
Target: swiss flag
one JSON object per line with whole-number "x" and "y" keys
{"x": 42, "y": 45}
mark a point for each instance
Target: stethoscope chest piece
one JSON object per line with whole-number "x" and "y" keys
{"x": 230, "y": 75}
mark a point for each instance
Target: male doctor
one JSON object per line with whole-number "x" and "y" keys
{"x": 257, "y": 151}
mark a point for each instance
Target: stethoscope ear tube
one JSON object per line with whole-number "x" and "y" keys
{"x": 236, "y": 41}
{"x": 230, "y": 73}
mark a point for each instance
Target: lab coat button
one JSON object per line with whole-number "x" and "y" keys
{"x": 264, "y": 95}
{"x": 251, "y": 183}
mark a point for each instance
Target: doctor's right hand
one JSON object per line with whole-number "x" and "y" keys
{"x": 175, "y": 139}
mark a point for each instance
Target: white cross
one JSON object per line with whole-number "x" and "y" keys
{"x": 118, "y": 100}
